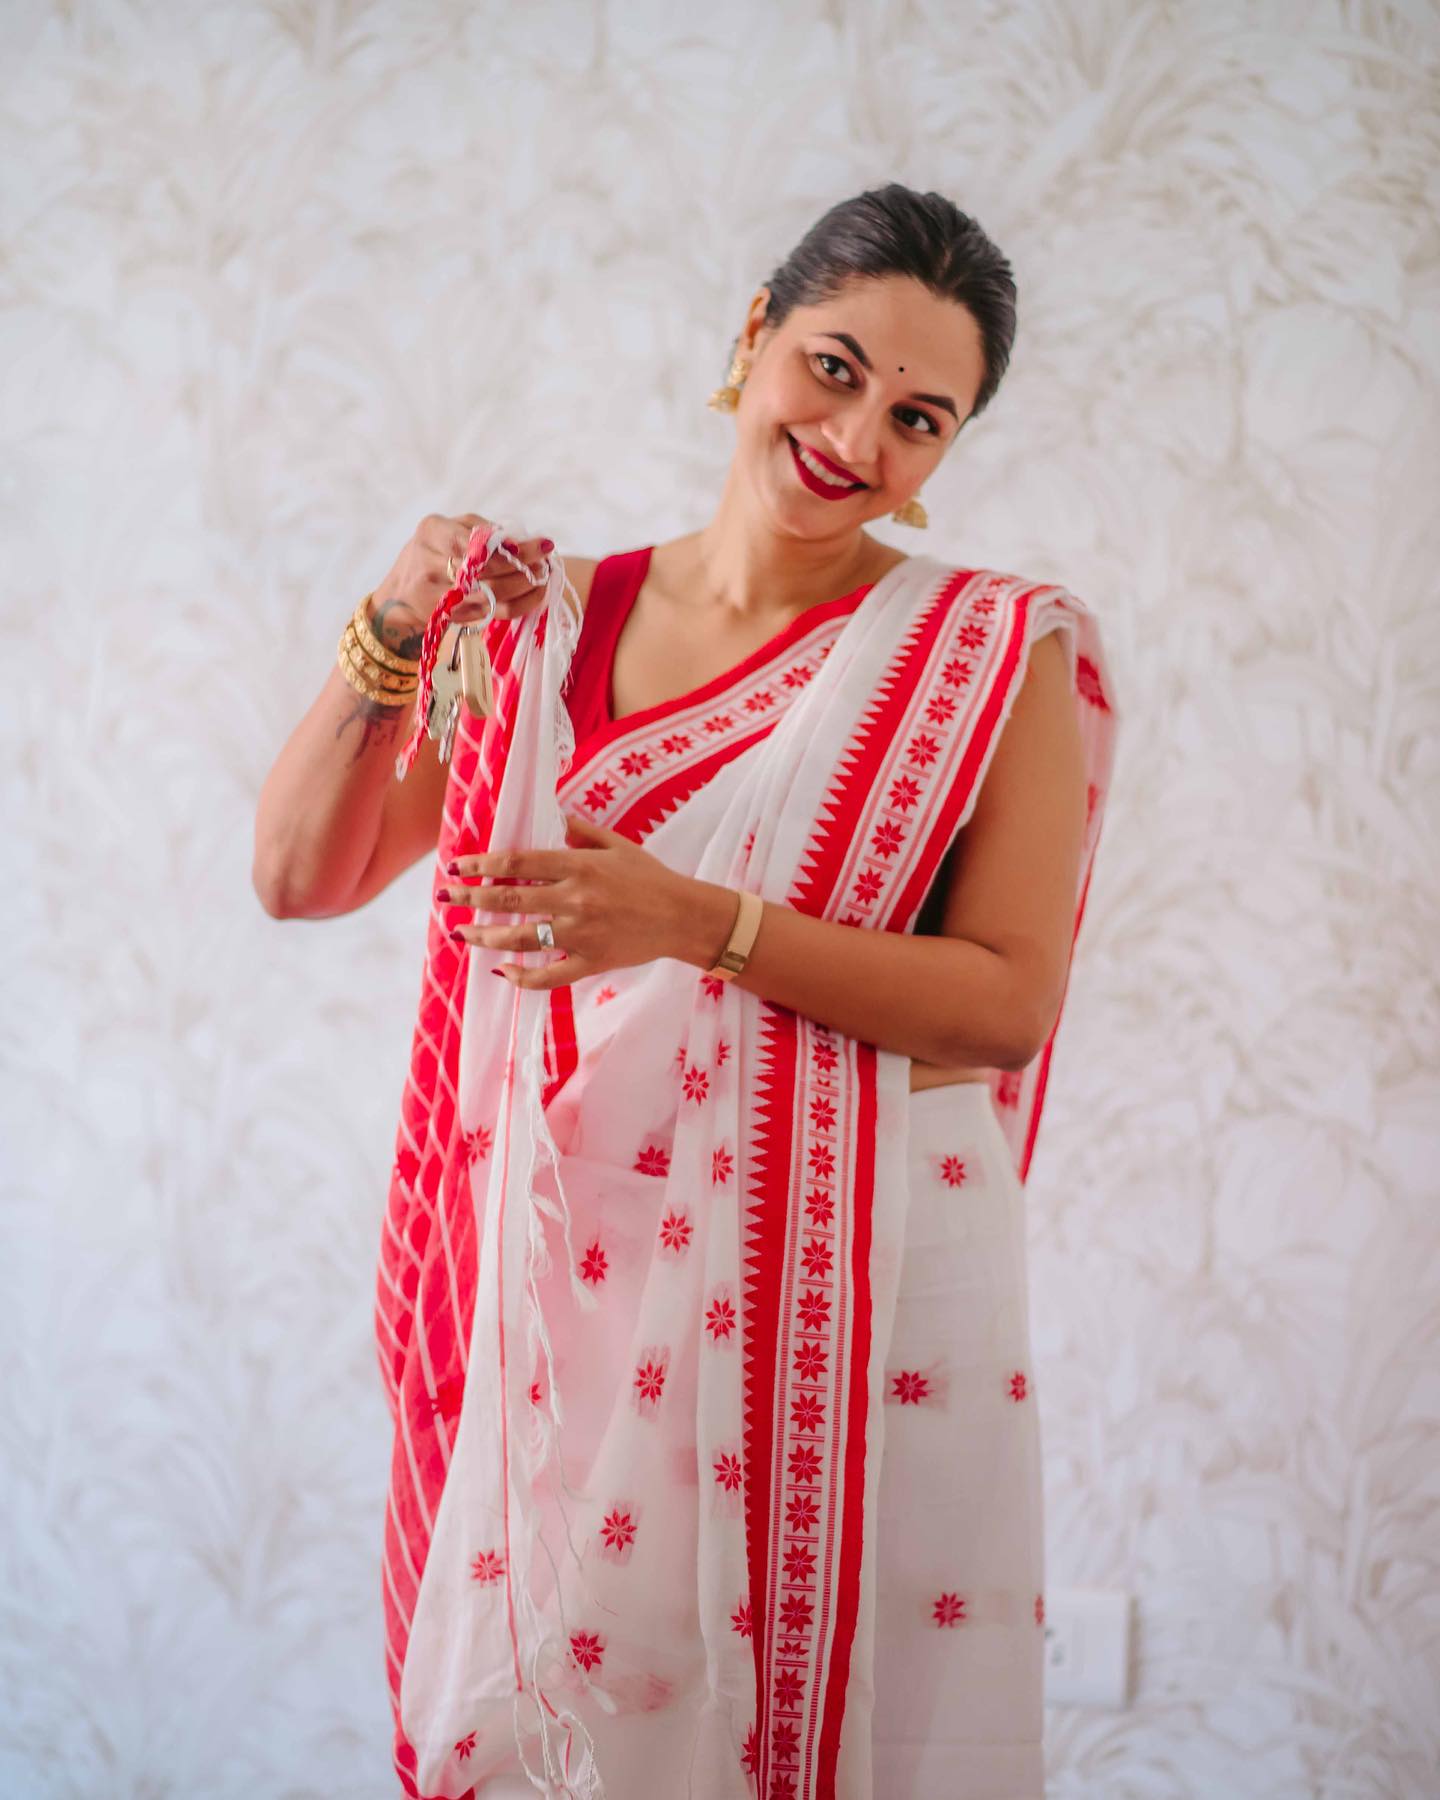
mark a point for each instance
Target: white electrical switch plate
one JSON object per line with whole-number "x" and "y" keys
{"x": 1087, "y": 1647}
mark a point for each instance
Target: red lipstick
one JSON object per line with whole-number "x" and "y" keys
{"x": 825, "y": 489}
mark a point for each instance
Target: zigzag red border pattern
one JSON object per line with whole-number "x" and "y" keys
{"x": 957, "y": 796}
{"x": 852, "y": 1538}
{"x": 769, "y": 1161}
{"x": 857, "y": 767}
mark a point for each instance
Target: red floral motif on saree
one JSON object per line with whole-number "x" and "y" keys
{"x": 617, "y": 1532}
{"x": 720, "y": 1319}
{"x": 909, "y": 1387}
{"x": 488, "y": 1567}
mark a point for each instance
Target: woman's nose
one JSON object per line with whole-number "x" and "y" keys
{"x": 855, "y": 451}
{"x": 855, "y": 442}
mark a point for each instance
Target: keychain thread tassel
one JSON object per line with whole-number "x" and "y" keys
{"x": 467, "y": 577}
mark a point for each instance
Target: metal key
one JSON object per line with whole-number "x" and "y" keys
{"x": 444, "y": 711}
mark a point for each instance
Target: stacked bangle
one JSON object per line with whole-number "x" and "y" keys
{"x": 370, "y": 667}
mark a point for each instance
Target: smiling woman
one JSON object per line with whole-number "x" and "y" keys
{"x": 706, "y": 1335}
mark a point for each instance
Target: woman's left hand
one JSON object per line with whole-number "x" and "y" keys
{"x": 610, "y": 904}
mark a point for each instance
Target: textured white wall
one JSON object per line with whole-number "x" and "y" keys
{"x": 278, "y": 279}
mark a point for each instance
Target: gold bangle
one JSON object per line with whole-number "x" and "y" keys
{"x": 366, "y": 686}
{"x": 381, "y": 699}
{"x": 372, "y": 673}
{"x": 381, "y": 653}
{"x": 367, "y": 664}
{"x": 733, "y": 958}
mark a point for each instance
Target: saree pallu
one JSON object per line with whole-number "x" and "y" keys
{"x": 641, "y": 1262}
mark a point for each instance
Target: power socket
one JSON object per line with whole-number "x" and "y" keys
{"x": 1087, "y": 1647}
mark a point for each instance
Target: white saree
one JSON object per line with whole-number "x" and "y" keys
{"x": 638, "y": 1285}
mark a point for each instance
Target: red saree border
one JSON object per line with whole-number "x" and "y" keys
{"x": 860, "y": 762}
{"x": 770, "y": 1161}
{"x": 857, "y": 1447}
{"x": 958, "y": 792}
{"x": 639, "y": 817}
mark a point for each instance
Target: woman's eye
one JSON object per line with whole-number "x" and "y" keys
{"x": 829, "y": 356}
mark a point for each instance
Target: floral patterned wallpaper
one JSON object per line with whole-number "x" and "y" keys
{"x": 280, "y": 278}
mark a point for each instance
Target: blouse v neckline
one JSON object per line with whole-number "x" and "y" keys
{"x": 649, "y": 715}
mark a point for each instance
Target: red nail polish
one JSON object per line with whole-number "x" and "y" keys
{"x": 456, "y": 936}
{"x": 500, "y": 973}
{"x": 452, "y": 868}
{"x": 546, "y": 546}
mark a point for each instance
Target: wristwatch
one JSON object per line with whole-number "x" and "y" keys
{"x": 736, "y": 953}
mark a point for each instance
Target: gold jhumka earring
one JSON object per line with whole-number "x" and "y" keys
{"x": 727, "y": 398}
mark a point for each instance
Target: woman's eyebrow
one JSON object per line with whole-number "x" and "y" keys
{"x": 853, "y": 346}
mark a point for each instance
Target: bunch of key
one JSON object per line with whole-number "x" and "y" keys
{"x": 465, "y": 675}
{"x": 465, "y": 678}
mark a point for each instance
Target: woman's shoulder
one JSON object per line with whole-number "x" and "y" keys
{"x": 1050, "y": 606}
{"x": 1075, "y": 629}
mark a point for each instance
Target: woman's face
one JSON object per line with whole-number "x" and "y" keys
{"x": 886, "y": 424}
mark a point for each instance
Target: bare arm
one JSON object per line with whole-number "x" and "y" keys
{"x": 333, "y": 825}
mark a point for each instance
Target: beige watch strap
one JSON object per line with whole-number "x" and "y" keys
{"x": 736, "y": 953}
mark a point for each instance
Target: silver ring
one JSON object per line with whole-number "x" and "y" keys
{"x": 547, "y": 936}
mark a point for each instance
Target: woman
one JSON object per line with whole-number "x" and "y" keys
{"x": 702, "y": 1302}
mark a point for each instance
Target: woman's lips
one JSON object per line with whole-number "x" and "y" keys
{"x": 825, "y": 489}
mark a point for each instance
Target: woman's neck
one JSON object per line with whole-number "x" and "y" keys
{"x": 747, "y": 568}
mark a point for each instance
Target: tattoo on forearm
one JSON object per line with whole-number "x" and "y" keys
{"x": 378, "y": 723}
{"x": 395, "y": 624}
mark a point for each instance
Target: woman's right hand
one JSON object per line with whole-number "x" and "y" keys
{"x": 421, "y": 576}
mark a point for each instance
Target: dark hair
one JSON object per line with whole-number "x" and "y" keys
{"x": 894, "y": 230}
